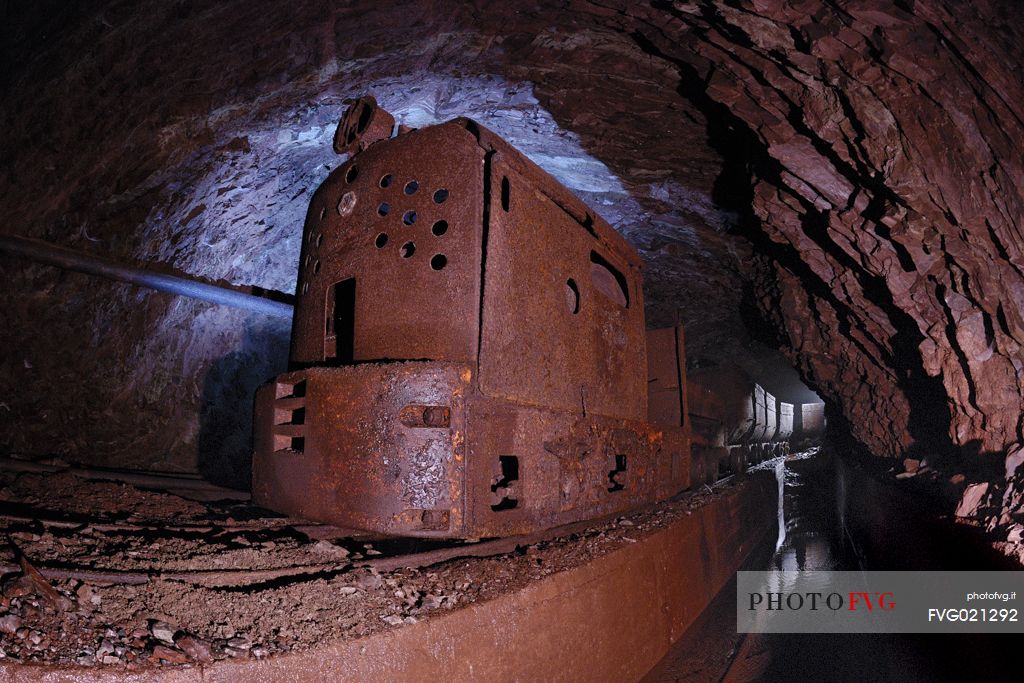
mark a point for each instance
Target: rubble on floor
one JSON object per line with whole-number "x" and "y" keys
{"x": 99, "y": 573}
{"x": 998, "y": 506}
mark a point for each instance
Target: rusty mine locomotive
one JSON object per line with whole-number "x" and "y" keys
{"x": 469, "y": 354}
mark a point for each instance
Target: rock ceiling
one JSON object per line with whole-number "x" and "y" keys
{"x": 838, "y": 179}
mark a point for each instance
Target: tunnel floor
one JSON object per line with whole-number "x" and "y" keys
{"x": 116, "y": 575}
{"x": 826, "y": 527}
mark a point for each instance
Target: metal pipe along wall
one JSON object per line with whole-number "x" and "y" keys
{"x": 61, "y": 257}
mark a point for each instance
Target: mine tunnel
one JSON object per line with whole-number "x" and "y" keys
{"x": 505, "y": 341}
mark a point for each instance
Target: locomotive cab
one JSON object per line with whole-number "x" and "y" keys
{"x": 468, "y": 349}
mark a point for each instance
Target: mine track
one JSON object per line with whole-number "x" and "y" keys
{"x": 224, "y": 578}
{"x": 235, "y": 578}
{"x": 218, "y": 531}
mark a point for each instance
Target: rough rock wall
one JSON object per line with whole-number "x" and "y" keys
{"x": 887, "y": 140}
{"x": 855, "y": 165}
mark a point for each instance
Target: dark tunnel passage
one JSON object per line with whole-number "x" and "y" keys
{"x": 516, "y": 334}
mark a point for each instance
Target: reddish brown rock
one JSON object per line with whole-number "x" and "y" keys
{"x": 167, "y": 654}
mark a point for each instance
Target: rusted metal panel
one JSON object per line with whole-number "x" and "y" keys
{"x": 391, "y": 256}
{"x": 377, "y": 446}
{"x": 664, "y": 377}
{"x": 540, "y": 181}
{"x": 534, "y": 468}
{"x": 563, "y": 322}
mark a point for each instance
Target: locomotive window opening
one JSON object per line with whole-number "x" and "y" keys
{"x": 364, "y": 119}
{"x": 440, "y": 196}
{"x": 439, "y": 228}
{"x": 617, "y": 477}
{"x": 407, "y": 250}
{"x": 572, "y": 296}
{"x": 409, "y": 217}
{"x": 351, "y": 174}
{"x": 501, "y": 486}
{"x": 607, "y": 279}
{"x": 506, "y": 191}
{"x": 298, "y": 443}
{"x": 439, "y": 261}
{"x": 384, "y": 209}
{"x": 411, "y": 187}
{"x": 385, "y": 180}
{"x": 381, "y": 241}
{"x": 340, "y": 330}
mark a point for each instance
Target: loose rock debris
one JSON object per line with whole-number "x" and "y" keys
{"x": 98, "y": 573}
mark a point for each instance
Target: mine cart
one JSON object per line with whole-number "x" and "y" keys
{"x": 469, "y": 354}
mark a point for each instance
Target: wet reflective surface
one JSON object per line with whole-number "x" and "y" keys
{"x": 835, "y": 517}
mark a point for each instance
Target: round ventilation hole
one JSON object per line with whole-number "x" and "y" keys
{"x": 319, "y": 239}
{"x": 323, "y": 213}
{"x": 407, "y": 250}
{"x": 385, "y": 180}
{"x": 439, "y": 228}
{"x": 351, "y": 174}
{"x": 411, "y": 187}
{"x": 384, "y": 209}
{"x": 440, "y": 196}
{"x": 382, "y": 239}
{"x": 439, "y": 261}
{"x": 409, "y": 217}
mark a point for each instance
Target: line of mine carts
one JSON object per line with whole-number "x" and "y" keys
{"x": 735, "y": 423}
